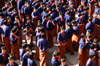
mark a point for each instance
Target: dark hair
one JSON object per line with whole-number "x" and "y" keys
{"x": 73, "y": 21}
{"x": 14, "y": 10}
{"x": 8, "y": 17}
{"x": 89, "y": 36}
{"x": 31, "y": 54}
{"x": 28, "y": 18}
{"x": 63, "y": 60}
{"x": 92, "y": 46}
{"x": 14, "y": 29}
{"x": 3, "y": 47}
{"x": 95, "y": 40}
{"x": 62, "y": 27}
{"x": 82, "y": 35}
{"x": 90, "y": 18}
{"x": 91, "y": 55}
{"x": 39, "y": 25}
{"x": 41, "y": 29}
{"x": 47, "y": 15}
{"x": 56, "y": 53}
{"x": 28, "y": 48}
{"x": 43, "y": 35}
{"x": 44, "y": 8}
{"x": 24, "y": 46}
{"x": 17, "y": 17}
{"x": 5, "y": 22}
{"x": 27, "y": 28}
{"x": 69, "y": 24}
{"x": 10, "y": 57}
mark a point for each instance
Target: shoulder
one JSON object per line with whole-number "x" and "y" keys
{"x": 59, "y": 33}
{"x": 25, "y": 55}
{"x": 15, "y": 63}
{"x": 7, "y": 54}
{"x": 8, "y": 64}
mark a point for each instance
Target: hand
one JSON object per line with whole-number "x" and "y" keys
{"x": 59, "y": 44}
{"x": 95, "y": 49}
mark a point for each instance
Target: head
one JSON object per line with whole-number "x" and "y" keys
{"x": 8, "y": 18}
{"x": 44, "y": 8}
{"x": 28, "y": 4}
{"x": 86, "y": 9}
{"x": 48, "y": 7}
{"x": 11, "y": 59}
{"x": 90, "y": 19}
{"x": 35, "y": 9}
{"x": 28, "y": 49}
{"x": 50, "y": 19}
{"x": 82, "y": 14}
{"x": 63, "y": 61}
{"x": 14, "y": 29}
{"x": 95, "y": 41}
{"x": 69, "y": 24}
{"x": 42, "y": 4}
{"x": 31, "y": 55}
{"x": 15, "y": 11}
{"x": 62, "y": 29}
{"x": 92, "y": 46}
{"x": 46, "y": 16}
{"x": 5, "y": 22}
{"x": 60, "y": 14}
{"x": 3, "y": 49}
{"x": 16, "y": 18}
{"x": 69, "y": 12}
{"x": 56, "y": 1}
{"x": 28, "y": 19}
{"x": 89, "y": 36}
{"x": 37, "y": 2}
{"x": 39, "y": 26}
{"x": 57, "y": 7}
{"x": 39, "y": 22}
{"x": 98, "y": 14}
{"x": 6, "y": 3}
{"x": 71, "y": 4}
{"x": 27, "y": 28}
{"x": 92, "y": 55}
{"x": 24, "y": 46}
{"x": 65, "y": 7}
{"x": 81, "y": 7}
{"x": 41, "y": 30}
{"x": 43, "y": 35}
{"x": 56, "y": 54}
{"x": 83, "y": 36}
{"x": 96, "y": 5}
{"x": 73, "y": 23}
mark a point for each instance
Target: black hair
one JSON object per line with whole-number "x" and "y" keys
{"x": 3, "y": 47}
{"x": 92, "y": 46}
{"x": 31, "y": 55}
{"x": 56, "y": 53}
{"x": 17, "y": 17}
{"x": 24, "y": 45}
{"x": 95, "y": 40}
{"x": 63, "y": 60}
{"x": 89, "y": 36}
{"x": 82, "y": 35}
{"x": 5, "y": 22}
{"x": 91, "y": 55}
{"x": 43, "y": 35}
{"x": 62, "y": 27}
